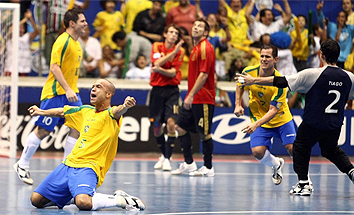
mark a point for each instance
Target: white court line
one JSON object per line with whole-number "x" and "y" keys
{"x": 160, "y": 172}
{"x": 260, "y": 212}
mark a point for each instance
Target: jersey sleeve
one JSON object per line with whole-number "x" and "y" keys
{"x": 278, "y": 96}
{"x": 57, "y": 52}
{"x": 155, "y": 52}
{"x": 73, "y": 117}
{"x": 178, "y": 60}
{"x": 303, "y": 81}
{"x": 206, "y": 58}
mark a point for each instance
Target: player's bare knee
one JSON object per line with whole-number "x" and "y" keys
{"x": 83, "y": 202}
{"x": 41, "y": 133}
{"x": 180, "y": 130}
{"x": 37, "y": 200}
{"x": 258, "y": 153}
{"x": 74, "y": 133}
{"x": 171, "y": 125}
{"x": 289, "y": 149}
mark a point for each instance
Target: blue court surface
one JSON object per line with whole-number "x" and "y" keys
{"x": 241, "y": 186}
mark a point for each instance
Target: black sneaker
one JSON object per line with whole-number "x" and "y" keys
{"x": 301, "y": 190}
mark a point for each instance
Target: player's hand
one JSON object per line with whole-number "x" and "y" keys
{"x": 239, "y": 111}
{"x": 129, "y": 102}
{"x": 71, "y": 96}
{"x": 34, "y": 110}
{"x": 249, "y": 129}
{"x": 244, "y": 79}
{"x": 187, "y": 104}
{"x": 178, "y": 46}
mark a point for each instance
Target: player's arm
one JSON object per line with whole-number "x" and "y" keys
{"x": 58, "y": 74}
{"x": 54, "y": 112}
{"x": 167, "y": 72}
{"x": 239, "y": 111}
{"x": 277, "y": 81}
{"x": 266, "y": 118}
{"x": 121, "y": 109}
{"x": 162, "y": 60}
{"x": 203, "y": 76}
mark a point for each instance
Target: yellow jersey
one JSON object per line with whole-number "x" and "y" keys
{"x": 67, "y": 53}
{"x": 131, "y": 9}
{"x": 301, "y": 52}
{"x": 111, "y": 23}
{"x": 98, "y": 142}
{"x": 261, "y": 97}
{"x": 238, "y": 26}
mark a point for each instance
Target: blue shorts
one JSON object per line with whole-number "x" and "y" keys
{"x": 65, "y": 182}
{"x": 47, "y": 122}
{"x": 262, "y": 136}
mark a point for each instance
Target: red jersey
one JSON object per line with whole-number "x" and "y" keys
{"x": 159, "y": 50}
{"x": 202, "y": 59}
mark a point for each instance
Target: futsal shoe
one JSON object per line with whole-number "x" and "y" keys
{"x": 166, "y": 166}
{"x": 203, "y": 171}
{"x": 277, "y": 174}
{"x": 301, "y": 190}
{"x": 185, "y": 168}
{"x": 351, "y": 175}
{"x": 159, "y": 163}
{"x": 133, "y": 203}
{"x": 23, "y": 174}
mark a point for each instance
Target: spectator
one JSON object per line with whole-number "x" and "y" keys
{"x": 218, "y": 37}
{"x": 347, "y": 6}
{"x": 236, "y": 67}
{"x": 108, "y": 22}
{"x": 267, "y": 23}
{"x": 188, "y": 46}
{"x": 131, "y": 10}
{"x": 140, "y": 70}
{"x": 314, "y": 59}
{"x": 150, "y": 23}
{"x": 92, "y": 47}
{"x": 236, "y": 22}
{"x": 184, "y": 15}
{"x": 340, "y": 32}
{"x": 169, "y": 5}
{"x": 132, "y": 45}
{"x": 109, "y": 66}
{"x": 300, "y": 46}
{"x": 24, "y": 54}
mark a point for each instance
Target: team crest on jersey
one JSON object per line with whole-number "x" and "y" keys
{"x": 86, "y": 128}
{"x": 279, "y": 105}
{"x": 260, "y": 94}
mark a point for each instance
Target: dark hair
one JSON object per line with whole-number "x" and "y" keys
{"x": 270, "y": 46}
{"x": 315, "y": 27}
{"x": 206, "y": 24}
{"x": 262, "y": 37}
{"x": 345, "y": 13}
{"x": 103, "y": 3}
{"x": 301, "y": 15}
{"x": 162, "y": 2}
{"x": 119, "y": 35}
{"x": 350, "y": 1}
{"x": 263, "y": 13}
{"x": 175, "y": 27}
{"x": 72, "y": 15}
{"x": 137, "y": 58}
{"x": 330, "y": 50}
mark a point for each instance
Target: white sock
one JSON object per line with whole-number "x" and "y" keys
{"x": 100, "y": 200}
{"x": 269, "y": 160}
{"x": 32, "y": 143}
{"x": 69, "y": 145}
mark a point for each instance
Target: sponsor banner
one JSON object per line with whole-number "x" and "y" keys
{"x": 228, "y": 138}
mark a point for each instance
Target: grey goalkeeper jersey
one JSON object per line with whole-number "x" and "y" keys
{"x": 327, "y": 91}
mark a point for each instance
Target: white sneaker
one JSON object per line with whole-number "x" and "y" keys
{"x": 166, "y": 166}
{"x": 133, "y": 203}
{"x": 203, "y": 171}
{"x": 159, "y": 163}
{"x": 277, "y": 174}
{"x": 301, "y": 190}
{"x": 23, "y": 174}
{"x": 185, "y": 168}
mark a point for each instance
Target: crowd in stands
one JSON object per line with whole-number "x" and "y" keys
{"x": 124, "y": 32}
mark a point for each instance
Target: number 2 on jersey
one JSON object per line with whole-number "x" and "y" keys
{"x": 329, "y": 107}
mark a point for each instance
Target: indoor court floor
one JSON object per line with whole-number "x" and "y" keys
{"x": 241, "y": 186}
